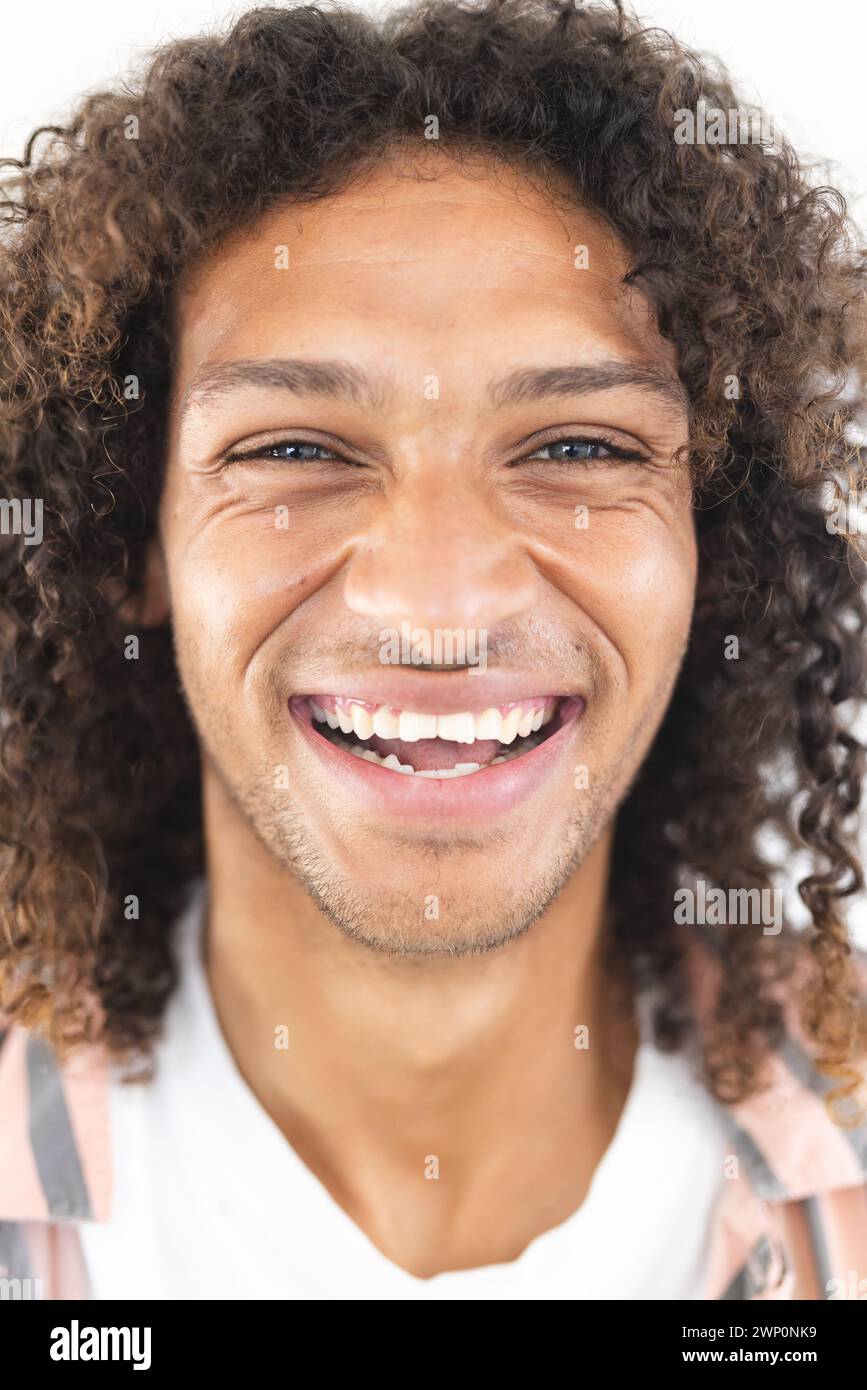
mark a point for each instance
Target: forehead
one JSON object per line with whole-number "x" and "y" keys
{"x": 412, "y": 262}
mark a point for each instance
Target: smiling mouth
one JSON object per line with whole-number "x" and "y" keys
{"x": 409, "y": 743}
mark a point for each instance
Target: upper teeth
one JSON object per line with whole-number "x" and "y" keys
{"x": 409, "y": 727}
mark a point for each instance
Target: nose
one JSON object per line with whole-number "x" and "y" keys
{"x": 441, "y": 553}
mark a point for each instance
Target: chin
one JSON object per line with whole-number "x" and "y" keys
{"x": 452, "y": 898}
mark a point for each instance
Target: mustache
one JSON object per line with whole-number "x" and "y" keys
{"x": 563, "y": 659}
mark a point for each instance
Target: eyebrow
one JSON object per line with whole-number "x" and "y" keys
{"x": 540, "y": 383}
{"x": 333, "y": 379}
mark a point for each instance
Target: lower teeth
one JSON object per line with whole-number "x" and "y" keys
{"x": 392, "y": 762}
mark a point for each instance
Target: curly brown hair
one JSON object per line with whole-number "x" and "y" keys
{"x": 755, "y": 275}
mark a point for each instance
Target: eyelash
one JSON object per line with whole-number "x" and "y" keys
{"x": 613, "y": 451}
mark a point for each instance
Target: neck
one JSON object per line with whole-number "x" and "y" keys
{"x": 393, "y": 1059}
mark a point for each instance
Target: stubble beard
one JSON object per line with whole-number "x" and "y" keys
{"x": 433, "y": 915}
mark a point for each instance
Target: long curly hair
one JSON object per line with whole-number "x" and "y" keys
{"x": 754, "y": 273}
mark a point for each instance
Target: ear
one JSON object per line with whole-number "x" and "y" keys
{"x": 151, "y": 606}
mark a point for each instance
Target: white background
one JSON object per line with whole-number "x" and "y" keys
{"x": 805, "y": 64}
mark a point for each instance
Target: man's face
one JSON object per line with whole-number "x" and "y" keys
{"x": 451, "y": 564}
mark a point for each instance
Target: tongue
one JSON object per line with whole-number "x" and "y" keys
{"x": 433, "y": 754}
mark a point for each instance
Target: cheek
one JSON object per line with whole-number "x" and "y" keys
{"x": 235, "y": 572}
{"x": 633, "y": 575}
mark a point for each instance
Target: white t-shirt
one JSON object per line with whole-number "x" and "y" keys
{"x": 212, "y": 1202}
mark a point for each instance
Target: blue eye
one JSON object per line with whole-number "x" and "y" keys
{"x": 584, "y": 451}
{"x": 286, "y": 450}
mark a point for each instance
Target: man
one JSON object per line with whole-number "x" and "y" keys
{"x": 431, "y": 667}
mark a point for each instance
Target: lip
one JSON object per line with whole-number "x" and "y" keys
{"x": 450, "y": 692}
{"x": 481, "y": 796}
